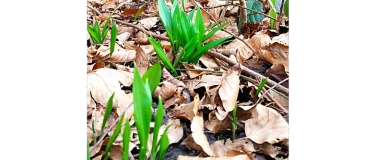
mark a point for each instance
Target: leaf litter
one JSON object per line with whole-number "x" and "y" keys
{"x": 199, "y": 103}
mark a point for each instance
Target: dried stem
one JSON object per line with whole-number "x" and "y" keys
{"x": 237, "y": 5}
{"x": 243, "y": 15}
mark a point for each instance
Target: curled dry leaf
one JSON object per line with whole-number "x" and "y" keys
{"x": 148, "y": 23}
{"x": 142, "y": 60}
{"x": 239, "y": 157}
{"x": 175, "y": 132}
{"x": 267, "y": 125}
{"x": 276, "y": 54}
{"x": 197, "y": 127}
{"x": 166, "y": 90}
{"x": 98, "y": 65}
{"x": 215, "y": 12}
{"x": 183, "y": 111}
{"x": 210, "y": 99}
{"x": 208, "y": 81}
{"x": 120, "y": 54}
{"x": 214, "y": 125}
{"x": 259, "y": 41}
{"x": 116, "y": 152}
{"x": 141, "y": 38}
{"x": 109, "y": 4}
{"x": 190, "y": 143}
{"x": 208, "y": 62}
{"x": 268, "y": 149}
{"x": 239, "y": 49}
{"x": 104, "y": 81}
{"x": 278, "y": 73}
{"x": 228, "y": 90}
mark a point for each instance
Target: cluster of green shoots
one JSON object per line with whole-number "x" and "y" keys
{"x": 99, "y": 36}
{"x": 187, "y": 35}
{"x": 142, "y": 89}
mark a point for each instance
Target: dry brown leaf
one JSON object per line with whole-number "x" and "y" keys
{"x": 197, "y": 127}
{"x": 208, "y": 81}
{"x": 239, "y": 157}
{"x": 142, "y": 60}
{"x": 194, "y": 71}
{"x": 96, "y": 149}
{"x": 167, "y": 75}
{"x": 109, "y": 4}
{"x": 215, "y": 12}
{"x": 183, "y": 111}
{"x": 239, "y": 49}
{"x": 228, "y": 91}
{"x": 208, "y": 62}
{"x": 116, "y": 152}
{"x": 120, "y": 54}
{"x": 240, "y": 145}
{"x": 90, "y": 104}
{"x": 103, "y": 82}
{"x": 90, "y": 134}
{"x": 278, "y": 73}
{"x": 175, "y": 132}
{"x": 259, "y": 41}
{"x": 190, "y": 143}
{"x": 282, "y": 39}
{"x": 268, "y": 149}
{"x": 278, "y": 54}
{"x": 210, "y": 99}
{"x": 166, "y": 90}
{"x": 97, "y": 119}
{"x": 267, "y": 125}
{"x": 148, "y": 23}
{"x": 148, "y": 49}
{"x": 141, "y": 38}
{"x": 98, "y": 65}
{"x": 214, "y": 125}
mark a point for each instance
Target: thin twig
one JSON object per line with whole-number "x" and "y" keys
{"x": 110, "y": 128}
{"x": 93, "y": 9}
{"x": 275, "y": 101}
{"x": 279, "y": 83}
{"x": 243, "y": 15}
{"x": 143, "y": 30}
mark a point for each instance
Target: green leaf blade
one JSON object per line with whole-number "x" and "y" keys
{"x": 154, "y": 74}
{"x": 126, "y": 139}
{"x": 142, "y": 110}
{"x": 107, "y": 112}
{"x": 113, "y": 138}
{"x": 113, "y": 38}
{"x": 158, "y": 49}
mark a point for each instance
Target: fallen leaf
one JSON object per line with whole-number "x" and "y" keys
{"x": 182, "y": 111}
{"x": 194, "y": 71}
{"x": 190, "y": 143}
{"x": 119, "y": 55}
{"x": 208, "y": 81}
{"x": 267, "y": 125}
{"x": 268, "y": 149}
{"x": 174, "y": 132}
{"x": 148, "y": 23}
{"x": 109, "y": 4}
{"x": 215, "y": 125}
{"x": 208, "y": 62}
{"x": 98, "y": 65}
{"x": 116, "y": 152}
{"x": 166, "y": 90}
{"x": 197, "y": 127}
{"x": 142, "y": 60}
{"x": 215, "y": 12}
{"x": 279, "y": 54}
{"x": 105, "y": 81}
{"x": 278, "y": 73}
{"x": 259, "y": 41}
{"x": 239, "y": 157}
{"x": 228, "y": 90}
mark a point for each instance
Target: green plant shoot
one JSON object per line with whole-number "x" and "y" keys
{"x": 142, "y": 110}
{"x": 107, "y": 113}
{"x": 113, "y": 138}
{"x": 259, "y": 88}
{"x": 126, "y": 139}
{"x": 234, "y": 120}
